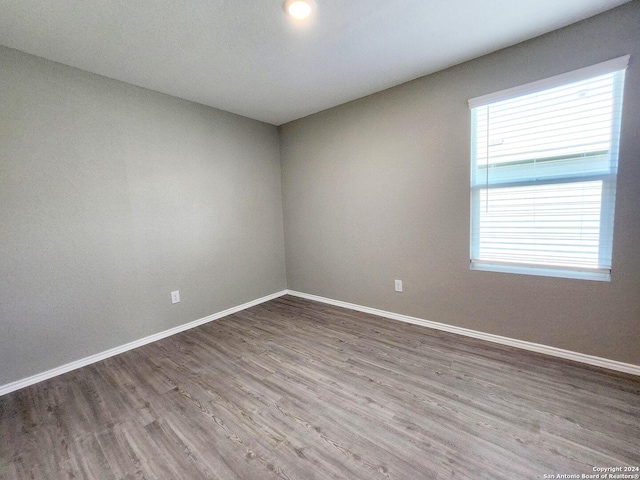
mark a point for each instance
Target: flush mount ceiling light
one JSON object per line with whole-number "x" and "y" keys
{"x": 299, "y": 9}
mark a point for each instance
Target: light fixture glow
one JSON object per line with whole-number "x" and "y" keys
{"x": 298, "y": 9}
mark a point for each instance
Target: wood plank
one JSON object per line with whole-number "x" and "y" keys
{"x": 294, "y": 389}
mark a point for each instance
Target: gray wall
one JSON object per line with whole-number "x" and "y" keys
{"x": 378, "y": 189}
{"x": 111, "y": 196}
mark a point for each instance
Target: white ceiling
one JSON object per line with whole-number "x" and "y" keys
{"x": 247, "y": 57}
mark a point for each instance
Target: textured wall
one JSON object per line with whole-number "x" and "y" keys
{"x": 378, "y": 189}
{"x": 111, "y": 196}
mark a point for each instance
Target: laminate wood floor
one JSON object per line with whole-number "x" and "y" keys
{"x": 294, "y": 389}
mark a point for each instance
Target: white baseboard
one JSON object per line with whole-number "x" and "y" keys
{"x": 54, "y": 372}
{"x": 534, "y": 347}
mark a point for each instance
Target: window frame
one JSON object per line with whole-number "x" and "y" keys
{"x": 609, "y": 180}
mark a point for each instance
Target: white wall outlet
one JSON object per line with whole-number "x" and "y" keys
{"x": 398, "y": 285}
{"x": 175, "y": 296}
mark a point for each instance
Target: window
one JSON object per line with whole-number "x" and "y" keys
{"x": 543, "y": 174}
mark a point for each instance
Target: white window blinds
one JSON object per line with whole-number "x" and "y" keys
{"x": 543, "y": 174}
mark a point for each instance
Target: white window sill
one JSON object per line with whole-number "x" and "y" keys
{"x": 597, "y": 275}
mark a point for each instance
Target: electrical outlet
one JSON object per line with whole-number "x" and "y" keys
{"x": 398, "y": 285}
{"x": 175, "y": 296}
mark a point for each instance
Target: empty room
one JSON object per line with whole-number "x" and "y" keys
{"x": 319, "y": 239}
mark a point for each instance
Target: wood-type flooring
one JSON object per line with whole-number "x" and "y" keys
{"x": 295, "y": 389}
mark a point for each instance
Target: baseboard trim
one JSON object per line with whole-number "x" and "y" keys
{"x": 512, "y": 342}
{"x": 83, "y": 362}
{"x": 534, "y": 347}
